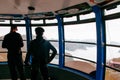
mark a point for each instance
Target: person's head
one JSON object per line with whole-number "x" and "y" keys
{"x": 39, "y": 31}
{"x": 13, "y": 28}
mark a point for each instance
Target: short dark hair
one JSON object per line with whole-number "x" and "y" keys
{"x": 13, "y": 27}
{"x": 39, "y": 30}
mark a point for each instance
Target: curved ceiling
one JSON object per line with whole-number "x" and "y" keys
{"x": 42, "y": 6}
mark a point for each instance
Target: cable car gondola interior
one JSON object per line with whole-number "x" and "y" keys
{"x": 84, "y": 32}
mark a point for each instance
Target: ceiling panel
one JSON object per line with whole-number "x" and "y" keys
{"x": 43, "y": 6}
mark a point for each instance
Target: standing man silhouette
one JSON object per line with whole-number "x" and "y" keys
{"x": 13, "y": 42}
{"x": 40, "y": 51}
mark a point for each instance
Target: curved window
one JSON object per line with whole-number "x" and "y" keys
{"x": 113, "y": 49}
{"x": 80, "y": 44}
{"x": 113, "y": 29}
{"x": 81, "y": 32}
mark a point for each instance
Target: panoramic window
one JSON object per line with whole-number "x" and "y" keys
{"x": 77, "y": 38}
{"x": 113, "y": 48}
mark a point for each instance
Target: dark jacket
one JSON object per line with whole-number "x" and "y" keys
{"x": 40, "y": 51}
{"x": 13, "y": 42}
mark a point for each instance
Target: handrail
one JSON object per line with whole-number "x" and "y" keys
{"x": 92, "y": 62}
{"x": 112, "y": 68}
{"x": 80, "y": 58}
{"x": 92, "y": 43}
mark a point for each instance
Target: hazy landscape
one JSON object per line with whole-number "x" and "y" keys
{"x": 87, "y": 51}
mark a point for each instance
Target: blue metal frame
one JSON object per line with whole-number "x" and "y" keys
{"x": 61, "y": 41}
{"x": 101, "y": 41}
{"x": 28, "y": 31}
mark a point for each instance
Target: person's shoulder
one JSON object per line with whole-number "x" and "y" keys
{"x": 7, "y": 34}
{"x": 17, "y": 33}
{"x": 46, "y": 41}
{"x": 33, "y": 41}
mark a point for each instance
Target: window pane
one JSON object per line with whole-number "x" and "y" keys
{"x": 4, "y": 21}
{"x": 113, "y": 29}
{"x": 51, "y": 21}
{"x": 87, "y": 16}
{"x": 113, "y": 52}
{"x": 76, "y": 34}
{"x": 112, "y": 35}
{"x": 18, "y": 21}
{"x": 83, "y": 32}
{"x": 74, "y": 18}
{"x": 112, "y": 11}
{"x": 36, "y": 21}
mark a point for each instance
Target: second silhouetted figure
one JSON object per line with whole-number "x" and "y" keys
{"x": 40, "y": 51}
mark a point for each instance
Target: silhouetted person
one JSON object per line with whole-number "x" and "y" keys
{"x": 13, "y": 42}
{"x": 40, "y": 51}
